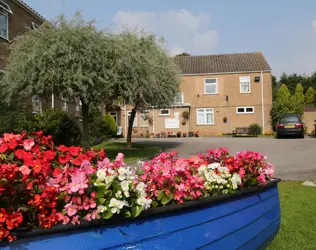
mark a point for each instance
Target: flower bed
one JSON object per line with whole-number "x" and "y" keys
{"x": 42, "y": 185}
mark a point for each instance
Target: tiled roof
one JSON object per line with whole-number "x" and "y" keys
{"x": 224, "y": 63}
{"x": 30, "y": 10}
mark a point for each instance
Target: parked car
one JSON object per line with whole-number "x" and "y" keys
{"x": 290, "y": 125}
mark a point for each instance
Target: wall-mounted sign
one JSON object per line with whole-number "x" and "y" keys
{"x": 172, "y": 123}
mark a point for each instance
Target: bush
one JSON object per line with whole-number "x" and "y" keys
{"x": 111, "y": 125}
{"x": 61, "y": 126}
{"x": 255, "y": 129}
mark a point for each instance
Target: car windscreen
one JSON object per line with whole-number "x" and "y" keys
{"x": 289, "y": 119}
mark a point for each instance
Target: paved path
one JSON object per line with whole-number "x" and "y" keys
{"x": 294, "y": 159}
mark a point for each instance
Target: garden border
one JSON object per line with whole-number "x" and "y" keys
{"x": 25, "y": 233}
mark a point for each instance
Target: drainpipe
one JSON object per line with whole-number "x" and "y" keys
{"x": 153, "y": 120}
{"x": 262, "y": 102}
{"x": 53, "y": 101}
{"x": 125, "y": 118}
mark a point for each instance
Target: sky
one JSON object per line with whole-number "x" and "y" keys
{"x": 283, "y": 30}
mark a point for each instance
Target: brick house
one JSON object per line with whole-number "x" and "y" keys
{"x": 220, "y": 93}
{"x": 16, "y": 17}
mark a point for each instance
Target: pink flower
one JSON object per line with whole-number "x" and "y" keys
{"x": 269, "y": 171}
{"x": 86, "y": 167}
{"x": 95, "y": 215}
{"x": 88, "y": 217}
{"x": 71, "y": 209}
{"x": 66, "y": 220}
{"x": 89, "y": 203}
{"x": 119, "y": 157}
{"x": 25, "y": 170}
{"x": 93, "y": 194}
{"x": 78, "y": 182}
{"x": 75, "y": 220}
{"x": 28, "y": 144}
{"x": 104, "y": 163}
{"x": 242, "y": 172}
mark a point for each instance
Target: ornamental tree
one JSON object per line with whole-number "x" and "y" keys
{"x": 65, "y": 57}
{"x": 309, "y": 96}
{"x": 147, "y": 76}
{"x": 299, "y": 100}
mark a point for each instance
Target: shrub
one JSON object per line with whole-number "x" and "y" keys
{"x": 255, "y": 129}
{"x": 111, "y": 125}
{"x": 60, "y": 125}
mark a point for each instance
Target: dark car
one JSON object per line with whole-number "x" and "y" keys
{"x": 290, "y": 125}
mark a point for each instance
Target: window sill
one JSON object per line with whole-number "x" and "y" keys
{"x": 4, "y": 38}
{"x": 164, "y": 115}
{"x": 250, "y": 113}
{"x": 245, "y": 92}
{"x": 209, "y": 124}
{"x": 146, "y": 126}
{"x": 210, "y": 94}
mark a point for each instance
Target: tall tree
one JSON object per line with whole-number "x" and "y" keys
{"x": 275, "y": 87}
{"x": 147, "y": 75}
{"x": 310, "y": 96}
{"x": 281, "y": 106}
{"x": 299, "y": 100}
{"x": 183, "y": 54}
{"x": 69, "y": 57}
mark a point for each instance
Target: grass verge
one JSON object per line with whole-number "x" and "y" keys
{"x": 138, "y": 151}
{"x": 298, "y": 217}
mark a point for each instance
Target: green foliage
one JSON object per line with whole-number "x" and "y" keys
{"x": 309, "y": 96}
{"x": 60, "y": 125}
{"x": 110, "y": 124}
{"x": 101, "y": 128}
{"x": 255, "y": 129}
{"x": 299, "y": 100}
{"x": 183, "y": 54}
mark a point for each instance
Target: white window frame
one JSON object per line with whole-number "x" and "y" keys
{"x": 135, "y": 119}
{"x": 5, "y": 14}
{"x": 216, "y": 84}
{"x": 205, "y": 115}
{"x": 5, "y": 6}
{"x": 182, "y": 98}
{"x": 35, "y": 26}
{"x": 164, "y": 114}
{"x": 39, "y": 103}
{"x": 242, "y": 81}
{"x": 144, "y": 112}
{"x": 245, "y": 112}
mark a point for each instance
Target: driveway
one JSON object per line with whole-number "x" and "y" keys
{"x": 294, "y": 159}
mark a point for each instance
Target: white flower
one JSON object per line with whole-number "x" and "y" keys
{"x": 122, "y": 177}
{"x": 101, "y": 174}
{"x": 109, "y": 179}
{"x": 118, "y": 194}
{"x": 140, "y": 163}
{"x": 117, "y": 205}
{"x": 147, "y": 203}
{"x": 141, "y": 201}
{"x": 122, "y": 171}
{"x": 223, "y": 169}
{"x": 126, "y": 193}
{"x": 202, "y": 169}
{"x": 111, "y": 171}
{"x": 101, "y": 209}
{"x": 125, "y": 185}
{"x": 214, "y": 165}
{"x": 140, "y": 186}
{"x": 113, "y": 202}
{"x": 114, "y": 210}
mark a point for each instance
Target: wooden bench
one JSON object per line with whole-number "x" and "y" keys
{"x": 244, "y": 131}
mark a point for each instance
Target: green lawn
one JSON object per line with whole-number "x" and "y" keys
{"x": 298, "y": 217}
{"x": 138, "y": 151}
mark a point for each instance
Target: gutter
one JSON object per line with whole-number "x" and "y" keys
{"x": 29, "y": 10}
{"x": 223, "y": 73}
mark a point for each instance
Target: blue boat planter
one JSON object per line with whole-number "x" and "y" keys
{"x": 249, "y": 219}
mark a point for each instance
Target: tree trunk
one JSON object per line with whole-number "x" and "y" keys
{"x": 130, "y": 128}
{"x": 85, "y": 125}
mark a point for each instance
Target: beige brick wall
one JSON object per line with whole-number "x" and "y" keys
{"x": 308, "y": 119}
{"x": 228, "y": 84}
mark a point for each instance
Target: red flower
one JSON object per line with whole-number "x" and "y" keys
{"x": 74, "y": 151}
{"x": 62, "y": 148}
{"x": 12, "y": 144}
{"x": 76, "y": 161}
{"x": 63, "y": 159}
{"x": 49, "y": 155}
{"x": 13, "y": 220}
{"x": 3, "y": 148}
{"x": 3, "y": 216}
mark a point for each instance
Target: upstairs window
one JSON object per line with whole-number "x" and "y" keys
{"x": 210, "y": 86}
{"x": 244, "y": 84}
{"x": 4, "y": 20}
{"x": 179, "y": 98}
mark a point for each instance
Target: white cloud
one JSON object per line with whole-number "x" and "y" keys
{"x": 314, "y": 25}
{"x": 184, "y": 31}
